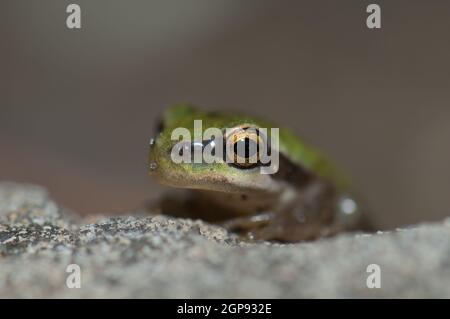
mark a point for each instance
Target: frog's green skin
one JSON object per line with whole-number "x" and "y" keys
{"x": 302, "y": 201}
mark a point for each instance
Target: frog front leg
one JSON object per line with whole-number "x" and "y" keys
{"x": 245, "y": 224}
{"x": 308, "y": 215}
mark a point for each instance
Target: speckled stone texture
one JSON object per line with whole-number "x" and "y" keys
{"x": 160, "y": 257}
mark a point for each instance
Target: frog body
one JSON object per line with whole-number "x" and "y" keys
{"x": 306, "y": 198}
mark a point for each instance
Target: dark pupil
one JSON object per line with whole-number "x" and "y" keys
{"x": 245, "y": 148}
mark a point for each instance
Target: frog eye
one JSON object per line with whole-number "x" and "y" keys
{"x": 243, "y": 147}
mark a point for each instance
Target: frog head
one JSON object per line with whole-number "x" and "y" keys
{"x": 238, "y": 175}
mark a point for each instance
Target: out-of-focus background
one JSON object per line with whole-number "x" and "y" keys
{"x": 77, "y": 107}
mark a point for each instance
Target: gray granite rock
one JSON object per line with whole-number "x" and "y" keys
{"x": 159, "y": 257}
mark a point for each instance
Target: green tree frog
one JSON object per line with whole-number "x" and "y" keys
{"x": 306, "y": 198}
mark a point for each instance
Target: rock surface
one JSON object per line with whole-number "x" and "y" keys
{"x": 162, "y": 257}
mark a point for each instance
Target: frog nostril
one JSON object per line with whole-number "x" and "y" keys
{"x": 152, "y": 166}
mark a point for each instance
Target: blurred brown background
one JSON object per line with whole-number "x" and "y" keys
{"x": 77, "y": 107}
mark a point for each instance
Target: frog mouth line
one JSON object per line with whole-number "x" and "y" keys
{"x": 261, "y": 184}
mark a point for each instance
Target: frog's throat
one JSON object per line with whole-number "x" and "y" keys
{"x": 241, "y": 184}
